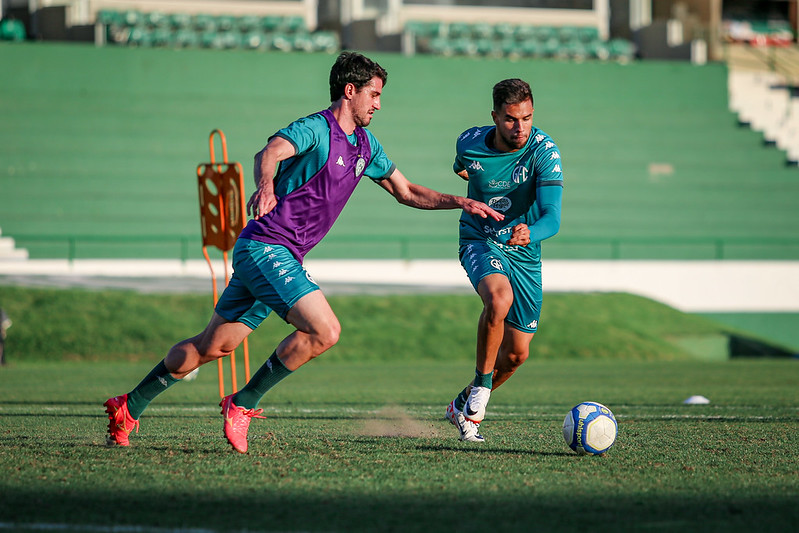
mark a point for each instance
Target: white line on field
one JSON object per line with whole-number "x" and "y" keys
{"x": 39, "y": 526}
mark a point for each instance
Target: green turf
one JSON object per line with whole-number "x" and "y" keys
{"x": 109, "y": 138}
{"x": 364, "y": 447}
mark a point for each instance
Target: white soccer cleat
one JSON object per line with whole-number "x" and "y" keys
{"x": 475, "y": 408}
{"x": 469, "y": 431}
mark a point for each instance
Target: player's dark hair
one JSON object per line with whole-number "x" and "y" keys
{"x": 511, "y": 91}
{"x": 352, "y": 67}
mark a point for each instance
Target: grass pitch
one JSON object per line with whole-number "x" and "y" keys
{"x": 364, "y": 447}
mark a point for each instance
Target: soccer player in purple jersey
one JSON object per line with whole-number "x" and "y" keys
{"x": 304, "y": 176}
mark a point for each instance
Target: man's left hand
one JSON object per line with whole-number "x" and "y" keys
{"x": 473, "y": 207}
{"x": 520, "y": 235}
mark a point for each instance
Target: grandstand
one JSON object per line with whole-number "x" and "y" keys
{"x": 99, "y": 143}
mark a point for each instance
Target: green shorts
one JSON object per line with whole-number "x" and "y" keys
{"x": 481, "y": 258}
{"x": 266, "y": 277}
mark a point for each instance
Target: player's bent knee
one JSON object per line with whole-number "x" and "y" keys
{"x": 328, "y": 337}
{"x": 517, "y": 359}
{"x": 498, "y": 304}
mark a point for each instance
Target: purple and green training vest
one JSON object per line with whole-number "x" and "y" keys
{"x": 304, "y": 216}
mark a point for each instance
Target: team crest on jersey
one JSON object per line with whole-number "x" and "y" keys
{"x": 519, "y": 174}
{"x": 496, "y": 263}
{"x": 500, "y": 203}
{"x": 359, "y": 166}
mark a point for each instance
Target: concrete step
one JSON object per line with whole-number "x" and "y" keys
{"x": 9, "y": 250}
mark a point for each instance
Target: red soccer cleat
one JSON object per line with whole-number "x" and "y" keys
{"x": 120, "y": 422}
{"x": 237, "y": 423}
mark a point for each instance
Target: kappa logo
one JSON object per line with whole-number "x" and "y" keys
{"x": 533, "y": 324}
{"x": 163, "y": 382}
{"x": 548, "y": 145}
{"x": 288, "y": 280}
{"x": 557, "y": 169}
{"x": 267, "y": 249}
{"x": 539, "y": 138}
{"x": 282, "y": 272}
{"x": 554, "y": 156}
{"x": 271, "y": 256}
{"x": 340, "y": 161}
{"x": 276, "y": 264}
{"x": 476, "y": 166}
{"x": 476, "y": 133}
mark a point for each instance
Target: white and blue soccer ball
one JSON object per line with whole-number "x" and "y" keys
{"x": 590, "y": 428}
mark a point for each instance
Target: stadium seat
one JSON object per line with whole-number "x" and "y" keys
{"x": 131, "y": 18}
{"x": 464, "y": 47}
{"x": 503, "y": 31}
{"x": 325, "y": 41}
{"x": 12, "y": 30}
{"x": 280, "y": 41}
{"x": 621, "y": 50}
{"x": 204, "y": 22}
{"x": 525, "y": 33}
{"x": 253, "y": 40}
{"x": 248, "y": 23}
{"x": 225, "y": 23}
{"x": 488, "y": 47}
{"x": 140, "y": 36}
{"x": 109, "y": 17}
{"x": 211, "y": 39}
{"x": 270, "y": 23}
{"x": 458, "y": 30}
{"x": 588, "y": 34}
{"x": 441, "y": 46}
{"x": 180, "y": 21}
{"x": 186, "y": 38}
{"x": 301, "y": 42}
{"x": 567, "y": 34}
{"x": 162, "y": 37}
{"x": 483, "y": 30}
{"x": 154, "y": 19}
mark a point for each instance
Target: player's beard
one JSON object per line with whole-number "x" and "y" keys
{"x": 363, "y": 120}
{"x": 516, "y": 143}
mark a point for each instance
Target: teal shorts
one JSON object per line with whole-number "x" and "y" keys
{"x": 266, "y": 277}
{"x": 481, "y": 258}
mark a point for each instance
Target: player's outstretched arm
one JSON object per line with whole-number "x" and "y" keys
{"x": 263, "y": 200}
{"x": 420, "y": 197}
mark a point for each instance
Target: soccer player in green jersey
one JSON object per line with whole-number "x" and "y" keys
{"x": 515, "y": 168}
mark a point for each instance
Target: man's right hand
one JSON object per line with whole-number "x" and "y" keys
{"x": 261, "y": 202}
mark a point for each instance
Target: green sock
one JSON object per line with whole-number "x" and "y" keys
{"x": 267, "y": 377}
{"x": 157, "y": 381}
{"x": 460, "y": 401}
{"x": 482, "y": 380}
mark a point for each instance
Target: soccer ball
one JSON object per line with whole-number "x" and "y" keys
{"x": 590, "y": 428}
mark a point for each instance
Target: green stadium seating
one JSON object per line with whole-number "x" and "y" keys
{"x": 180, "y": 30}
{"x": 180, "y": 21}
{"x": 249, "y": 23}
{"x": 504, "y": 39}
{"x": 12, "y": 30}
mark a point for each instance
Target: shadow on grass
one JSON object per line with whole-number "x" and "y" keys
{"x": 330, "y": 509}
